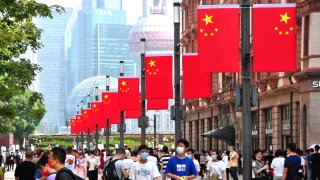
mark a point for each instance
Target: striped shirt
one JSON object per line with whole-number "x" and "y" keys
{"x": 164, "y": 161}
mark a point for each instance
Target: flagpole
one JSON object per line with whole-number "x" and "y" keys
{"x": 88, "y": 106}
{"x": 176, "y": 8}
{"x": 97, "y": 126}
{"x": 121, "y": 129}
{"x": 246, "y": 99}
{"x": 143, "y": 92}
{"x": 107, "y": 120}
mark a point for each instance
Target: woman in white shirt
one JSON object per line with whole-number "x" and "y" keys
{"x": 277, "y": 165}
{"x": 217, "y": 168}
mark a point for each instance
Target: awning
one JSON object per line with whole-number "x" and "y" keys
{"x": 225, "y": 133}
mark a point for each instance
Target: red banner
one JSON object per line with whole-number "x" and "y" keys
{"x": 274, "y": 38}
{"x": 157, "y": 104}
{"x": 218, "y": 38}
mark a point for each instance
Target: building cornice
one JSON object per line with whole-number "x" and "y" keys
{"x": 307, "y": 7}
{"x": 307, "y": 73}
{"x": 282, "y": 90}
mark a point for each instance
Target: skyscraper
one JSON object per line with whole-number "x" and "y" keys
{"x": 97, "y": 41}
{"x": 52, "y": 78}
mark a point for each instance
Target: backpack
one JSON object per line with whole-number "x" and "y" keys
{"x": 74, "y": 177}
{"x": 109, "y": 170}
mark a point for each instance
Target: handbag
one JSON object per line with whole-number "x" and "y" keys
{"x": 266, "y": 175}
{"x": 214, "y": 177}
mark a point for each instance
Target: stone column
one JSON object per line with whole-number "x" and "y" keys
{"x": 295, "y": 124}
{"x": 206, "y": 129}
{"x": 276, "y": 121}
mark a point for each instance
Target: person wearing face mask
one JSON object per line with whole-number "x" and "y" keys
{"x": 120, "y": 168}
{"x": 260, "y": 170}
{"x": 180, "y": 167}
{"x": 216, "y": 170}
{"x": 47, "y": 172}
{"x": 191, "y": 155}
{"x": 144, "y": 169}
{"x": 81, "y": 168}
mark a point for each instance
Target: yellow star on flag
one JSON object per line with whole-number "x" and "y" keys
{"x": 207, "y": 19}
{"x": 106, "y": 96}
{"x": 94, "y": 105}
{"x": 123, "y": 83}
{"x": 152, "y": 63}
{"x": 285, "y": 18}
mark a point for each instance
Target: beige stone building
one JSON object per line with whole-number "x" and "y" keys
{"x": 288, "y": 103}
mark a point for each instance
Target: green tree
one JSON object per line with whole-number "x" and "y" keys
{"x": 29, "y": 110}
{"x": 17, "y": 34}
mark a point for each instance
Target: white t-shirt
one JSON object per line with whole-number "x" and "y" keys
{"x": 153, "y": 159}
{"x": 197, "y": 164}
{"x": 146, "y": 171}
{"x": 70, "y": 162}
{"x": 217, "y": 168}
{"x": 302, "y": 163}
{"x": 128, "y": 163}
{"x": 226, "y": 161}
{"x": 277, "y": 165}
{"x": 93, "y": 162}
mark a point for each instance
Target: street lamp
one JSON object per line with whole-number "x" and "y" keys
{"x": 96, "y": 98}
{"x": 107, "y": 120}
{"x": 96, "y": 94}
{"x": 88, "y": 106}
{"x": 143, "y": 92}
{"x": 176, "y": 16}
{"x": 121, "y": 129}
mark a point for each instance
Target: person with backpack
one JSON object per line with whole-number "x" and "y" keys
{"x": 115, "y": 168}
{"x": 144, "y": 169}
{"x": 56, "y": 160}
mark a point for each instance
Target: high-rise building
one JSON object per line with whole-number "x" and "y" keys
{"x": 97, "y": 39}
{"x": 52, "y": 78}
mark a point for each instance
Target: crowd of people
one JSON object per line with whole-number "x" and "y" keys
{"x": 182, "y": 163}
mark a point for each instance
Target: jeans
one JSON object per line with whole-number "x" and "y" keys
{"x": 233, "y": 172}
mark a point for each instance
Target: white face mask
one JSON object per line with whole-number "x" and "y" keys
{"x": 180, "y": 150}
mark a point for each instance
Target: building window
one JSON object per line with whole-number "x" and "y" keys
{"x": 255, "y": 130}
{"x": 285, "y": 125}
{"x": 306, "y": 36}
{"x": 269, "y": 128}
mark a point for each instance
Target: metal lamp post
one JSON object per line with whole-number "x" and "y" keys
{"x": 246, "y": 96}
{"x": 96, "y": 98}
{"x": 143, "y": 92}
{"x": 88, "y": 106}
{"x": 82, "y": 133}
{"x": 176, "y": 10}
{"x": 107, "y": 119}
{"x": 121, "y": 129}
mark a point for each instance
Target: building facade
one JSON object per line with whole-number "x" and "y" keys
{"x": 52, "y": 78}
{"x": 287, "y": 102}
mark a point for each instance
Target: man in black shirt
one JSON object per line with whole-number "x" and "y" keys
{"x": 26, "y": 169}
{"x": 56, "y": 161}
{"x": 315, "y": 161}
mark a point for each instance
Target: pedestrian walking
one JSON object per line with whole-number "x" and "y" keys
{"x": 233, "y": 163}
{"x": 260, "y": 166}
{"x": 164, "y": 160}
{"x": 93, "y": 165}
{"x": 180, "y": 166}
{"x": 144, "y": 169}
{"x": 47, "y": 172}
{"x": 26, "y": 169}
{"x": 315, "y": 161}
{"x": 291, "y": 164}
{"x": 278, "y": 164}
{"x": 216, "y": 170}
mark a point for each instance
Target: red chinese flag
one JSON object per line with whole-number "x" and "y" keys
{"x": 88, "y": 119}
{"x": 73, "y": 126}
{"x": 110, "y": 105}
{"x": 274, "y": 38}
{"x": 79, "y": 120}
{"x": 97, "y": 113}
{"x": 218, "y": 38}
{"x": 157, "y": 104}
{"x": 128, "y": 89}
{"x": 158, "y": 77}
{"x": 196, "y": 84}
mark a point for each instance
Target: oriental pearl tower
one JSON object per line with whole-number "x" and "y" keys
{"x": 156, "y": 27}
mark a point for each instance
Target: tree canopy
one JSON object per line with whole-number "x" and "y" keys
{"x": 18, "y": 33}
